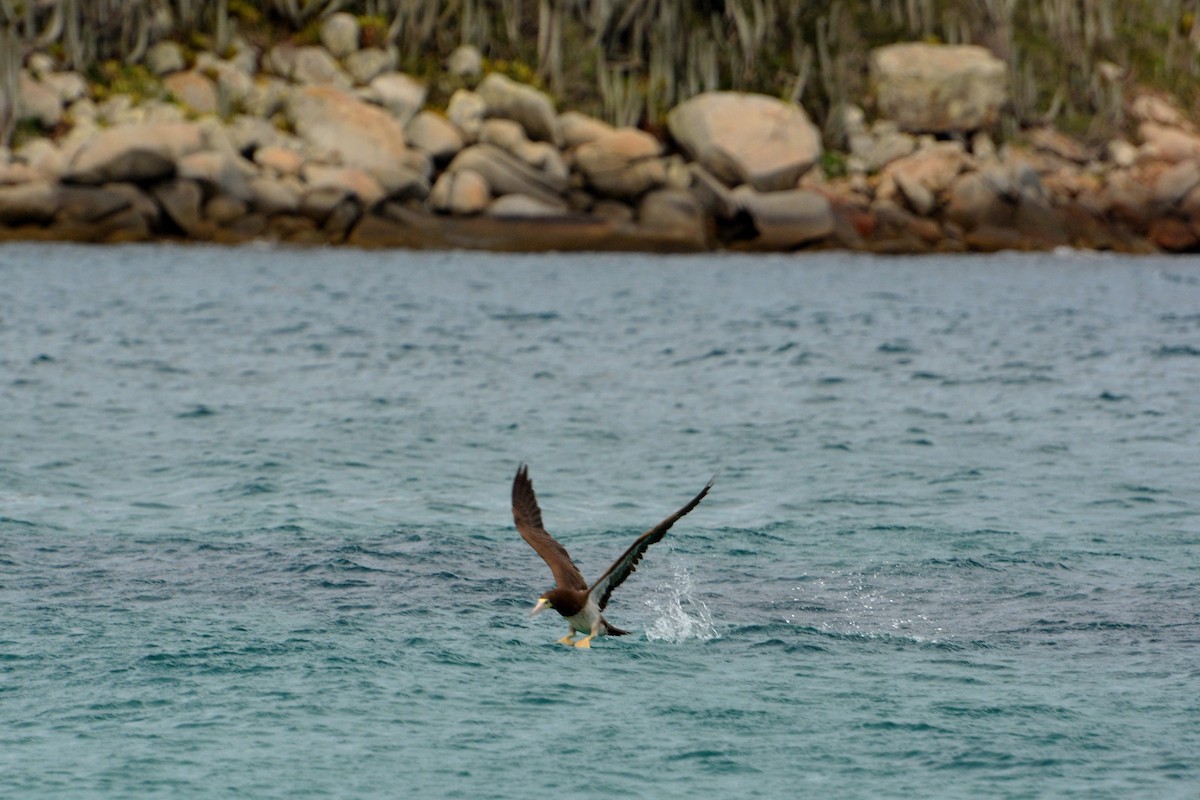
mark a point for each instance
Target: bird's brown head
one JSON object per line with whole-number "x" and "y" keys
{"x": 564, "y": 601}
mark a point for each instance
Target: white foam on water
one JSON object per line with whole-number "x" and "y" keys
{"x": 678, "y": 614}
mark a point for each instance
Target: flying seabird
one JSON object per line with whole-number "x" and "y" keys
{"x": 572, "y": 597}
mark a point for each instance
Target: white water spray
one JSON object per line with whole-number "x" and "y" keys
{"x": 678, "y": 614}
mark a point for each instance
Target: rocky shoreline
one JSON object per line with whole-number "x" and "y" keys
{"x": 328, "y": 144}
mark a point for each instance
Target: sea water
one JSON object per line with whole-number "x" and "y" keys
{"x": 256, "y": 539}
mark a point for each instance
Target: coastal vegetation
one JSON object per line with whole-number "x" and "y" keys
{"x": 1071, "y": 62}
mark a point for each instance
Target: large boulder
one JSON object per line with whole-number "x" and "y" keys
{"x": 937, "y": 88}
{"x": 524, "y": 104}
{"x": 134, "y": 152}
{"x": 360, "y": 134}
{"x": 747, "y": 138}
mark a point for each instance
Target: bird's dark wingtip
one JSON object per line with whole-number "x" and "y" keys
{"x": 713, "y": 479}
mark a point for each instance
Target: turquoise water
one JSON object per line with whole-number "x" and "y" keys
{"x": 255, "y": 537}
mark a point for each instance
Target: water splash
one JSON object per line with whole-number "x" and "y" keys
{"x": 678, "y": 614}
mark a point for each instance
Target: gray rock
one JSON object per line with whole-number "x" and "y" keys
{"x": 194, "y": 89}
{"x": 236, "y": 89}
{"x": 465, "y": 62}
{"x": 351, "y": 180}
{"x": 268, "y": 96}
{"x": 400, "y": 94}
{"x": 623, "y": 164}
{"x": 35, "y": 202}
{"x": 1174, "y": 183}
{"x": 672, "y": 214}
{"x": 319, "y": 203}
{"x": 164, "y": 58}
{"x": 747, "y": 138}
{"x": 462, "y": 193}
{"x": 935, "y": 88}
{"x": 247, "y": 134}
{"x": 275, "y": 195}
{"x": 579, "y": 129}
{"x": 510, "y": 137}
{"x": 90, "y": 203}
{"x": 432, "y": 133}
{"x": 467, "y": 111}
{"x": 366, "y": 64}
{"x": 180, "y": 201}
{"x": 712, "y": 195}
{"x": 972, "y": 201}
{"x": 339, "y": 33}
{"x": 222, "y": 209}
{"x": 506, "y": 174}
{"x": 517, "y": 101}
{"x": 787, "y": 219}
{"x": 277, "y": 160}
{"x": 68, "y": 86}
{"x": 403, "y": 183}
{"x": 883, "y": 145}
{"x": 139, "y": 202}
{"x": 13, "y": 174}
{"x": 920, "y": 199}
{"x": 310, "y": 66}
{"x": 135, "y": 153}
{"x": 222, "y": 173}
{"x": 43, "y": 157}
{"x": 612, "y": 211}
{"x": 37, "y": 101}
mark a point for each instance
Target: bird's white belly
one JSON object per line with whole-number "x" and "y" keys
{"x": 587, "y": 617}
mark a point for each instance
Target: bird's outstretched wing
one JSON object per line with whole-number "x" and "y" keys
{"x": 528, "y": 517}
{"x": 624, "y": 566}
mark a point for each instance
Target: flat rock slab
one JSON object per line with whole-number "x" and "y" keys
{"x": 938, "y": 88}
{"x": 747, "y": 138}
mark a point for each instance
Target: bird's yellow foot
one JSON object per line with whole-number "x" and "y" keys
{"x": 584, "y": 642}
{"x": 569, "y": 639}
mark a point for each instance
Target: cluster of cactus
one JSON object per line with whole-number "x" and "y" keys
{"x": 630, "y": 60}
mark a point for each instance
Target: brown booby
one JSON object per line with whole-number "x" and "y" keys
{"x": 582, "y": 605}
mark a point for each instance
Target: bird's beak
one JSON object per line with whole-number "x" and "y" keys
{"x": 542, "y": 605}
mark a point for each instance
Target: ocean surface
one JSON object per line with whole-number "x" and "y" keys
{"x": 256, "y": 538}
